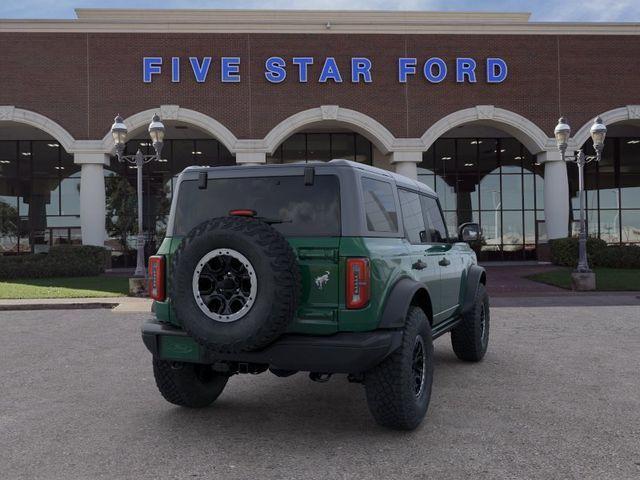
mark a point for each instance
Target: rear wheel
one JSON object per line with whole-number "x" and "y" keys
{"x": 188, "y": 384}
{"x": 399, "y": 389}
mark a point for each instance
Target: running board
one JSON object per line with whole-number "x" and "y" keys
{"x": 444, "y": 327}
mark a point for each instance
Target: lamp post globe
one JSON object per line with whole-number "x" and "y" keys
{"x": 119, "y": 133}
{"x": 598, "y": 132}
{"x": 562, "y": 133}
{"x": 156, "y": 132}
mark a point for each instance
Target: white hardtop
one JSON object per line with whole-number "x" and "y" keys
{"x": 399, "y": 180}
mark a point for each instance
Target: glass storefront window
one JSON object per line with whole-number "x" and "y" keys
{"x": 610, "y": 226}
{"x": 483, "y": 180}
{"x": 319, "y": 147}
{"x": 512, "y": 192}
{"x": 630, "y": 222}
{"x": 343, "y": 145}
{"x": 294, "y": 148}
{"x": 308, "y": 147}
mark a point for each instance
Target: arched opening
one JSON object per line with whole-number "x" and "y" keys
{"x": 483, "y": 174}
{"x": 39, "y": 190}
{"x": 612, "y": 187}
{"x": 327, "y": 142}
{"x": 184, "y": 145}
{"x": 329, "y": 132}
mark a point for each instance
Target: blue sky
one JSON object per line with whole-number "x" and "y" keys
{"x": 542, "y": 10}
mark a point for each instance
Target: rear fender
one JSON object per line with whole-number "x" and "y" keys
{"x": 400, "y": 299}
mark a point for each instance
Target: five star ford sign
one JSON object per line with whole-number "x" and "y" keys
{"x": 361, "y": 69}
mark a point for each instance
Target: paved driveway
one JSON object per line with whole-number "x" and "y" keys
{"x": 558, "y": 396}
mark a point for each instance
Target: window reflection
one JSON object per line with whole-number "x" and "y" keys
{"x": 612, "y": 188}
{"x": 39, "y": 196}
{"x": 483, "y": 180}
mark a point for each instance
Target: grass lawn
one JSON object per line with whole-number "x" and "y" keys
{"x": 71, "y": 287}
{"x": 607, "y": 279}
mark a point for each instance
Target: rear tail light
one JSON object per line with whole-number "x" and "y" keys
{"x": 156, "y": 278}
{"x": 358, "y": 286}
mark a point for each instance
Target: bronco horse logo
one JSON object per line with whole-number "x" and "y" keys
{"x": 322, "y": 280}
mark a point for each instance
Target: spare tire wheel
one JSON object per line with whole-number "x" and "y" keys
{"x": 234, "y": 284}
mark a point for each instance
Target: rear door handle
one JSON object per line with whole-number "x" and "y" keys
{"x": 419, "y": 265}
{"x": 444, "y": 262}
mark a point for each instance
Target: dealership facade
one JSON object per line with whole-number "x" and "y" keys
{"x": 464, "y": 102}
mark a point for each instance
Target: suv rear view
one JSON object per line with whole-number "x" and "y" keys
{"x": 310, "y": 267}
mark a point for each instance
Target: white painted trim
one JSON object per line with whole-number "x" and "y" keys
{"x": 310, "y": 21}
{"x": 274, "y": 16}
{"x": 175, "y": 112}
{"x": 621, "y": 114}
{"x": 9, "y": 113}
{"x": 531, "y": 136}
{"x": 377, "y": 133}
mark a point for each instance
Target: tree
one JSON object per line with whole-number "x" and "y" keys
{"x": 122, "y": 209}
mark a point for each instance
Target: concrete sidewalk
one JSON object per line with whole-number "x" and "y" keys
{"x": 117, "y": 304}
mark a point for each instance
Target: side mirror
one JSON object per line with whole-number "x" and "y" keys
{"x": 469, "y": 232}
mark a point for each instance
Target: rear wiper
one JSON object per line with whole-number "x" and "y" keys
{"x": 272, "y": 221}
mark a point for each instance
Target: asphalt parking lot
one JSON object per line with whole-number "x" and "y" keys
{"x": 558, "y": 396}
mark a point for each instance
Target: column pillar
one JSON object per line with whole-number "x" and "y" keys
{"x": 251, "y": 158}
{"x": 406, "y": 163}
{"x": 93, "y": 209}
{"x": 556, "y": 194}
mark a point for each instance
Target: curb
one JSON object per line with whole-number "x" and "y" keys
{"x": 58, "y": 306}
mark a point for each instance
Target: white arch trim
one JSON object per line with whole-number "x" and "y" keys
{"x": 531, "y": 136}
{"x": 382, "y": 138}
{"x": 185, "y": 115}
{"x": 621, "y": 114}
{"x": 9, "y": 113}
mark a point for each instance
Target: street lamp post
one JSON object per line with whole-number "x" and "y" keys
{"x": 156, "y": 132}
{"x": 598, "y": 132}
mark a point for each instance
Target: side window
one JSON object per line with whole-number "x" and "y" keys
{"x": 379, "y": 205}
{"x": 437, "y": 231}
{"x": 412, "y": 216}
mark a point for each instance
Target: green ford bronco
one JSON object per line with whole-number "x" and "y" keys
{"x": 325, "y": 268}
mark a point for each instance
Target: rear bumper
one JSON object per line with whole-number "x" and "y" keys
{"x": 345, "y": 352}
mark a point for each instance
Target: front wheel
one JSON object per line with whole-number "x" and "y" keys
{"x": 470, "y": 338}
{"x": 399, "y": 388}
{"x": 188, "y": 384}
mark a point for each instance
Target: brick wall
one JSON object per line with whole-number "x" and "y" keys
{"x": 82, "y": 80}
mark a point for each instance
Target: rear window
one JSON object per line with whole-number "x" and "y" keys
{"x": 304, "y": 210}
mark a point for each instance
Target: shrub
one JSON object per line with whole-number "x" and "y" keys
{"x": 618, "y": 256}
{"x": 565, "y": 252}
{"x": 61, "y": 261}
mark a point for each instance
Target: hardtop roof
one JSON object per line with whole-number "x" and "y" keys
{"x": 400, "y": 180}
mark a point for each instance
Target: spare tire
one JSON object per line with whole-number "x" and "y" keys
{"x": 234, "y": 284}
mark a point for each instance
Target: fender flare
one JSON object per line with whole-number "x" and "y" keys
{"x": 398, "y": 301}
{"x": 475, "y": 276}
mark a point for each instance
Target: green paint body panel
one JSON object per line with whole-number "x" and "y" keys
{"x": 322, "y": 309}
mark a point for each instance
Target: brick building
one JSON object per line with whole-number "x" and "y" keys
{"x": 465, "y": 102}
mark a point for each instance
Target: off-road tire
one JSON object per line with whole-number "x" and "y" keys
{"x": 469, "y": 338}
{"x": 390, "y": 386}
{"x": 188, "y": 384}
{"x": 278, "y": 280}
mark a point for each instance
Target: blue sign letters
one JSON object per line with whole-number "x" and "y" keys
{"x": 327, "y": 70}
